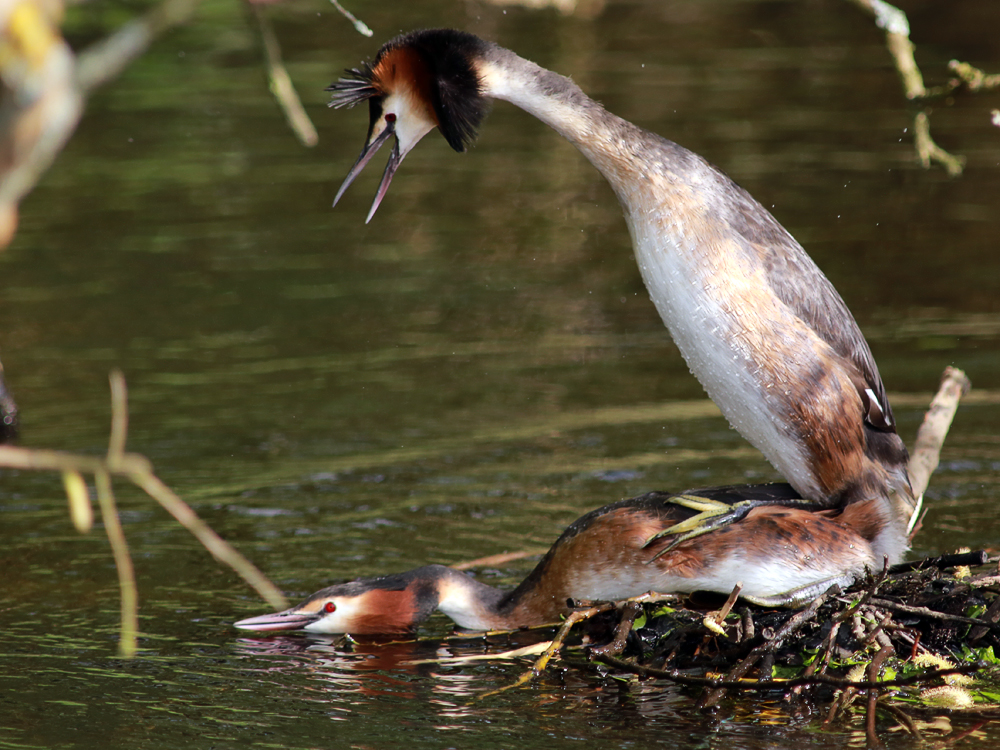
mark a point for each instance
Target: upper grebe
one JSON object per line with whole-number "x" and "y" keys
{"x": 758, "y": 323}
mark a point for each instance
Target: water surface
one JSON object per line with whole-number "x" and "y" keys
{"x": 464, "y": 376}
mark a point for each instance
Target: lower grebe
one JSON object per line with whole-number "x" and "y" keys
{"x": 782, "y": 556}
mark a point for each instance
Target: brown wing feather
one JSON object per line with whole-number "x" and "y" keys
{"x": 799, "y": 283}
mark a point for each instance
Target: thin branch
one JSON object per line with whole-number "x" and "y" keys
{"x": 280, "y": 82}
{"x": 616, "y": 645}
{"x": 897, "y": 39}
{"x": 930, "y": 613}
{"x": 216, "y": 545}
{"x": 930, "y": 437}
{"x": 769, "y": 685}
{"x": 119, "y": 417}
{"x": 139, "y": 470}
{"x": 793, "y": 624}
{"x": 928, "y": 150}
{"x": 979, "y": 557}
{"x": 123, "y": 563}
{"x": 501, "y": 559}
{"x": 105, "y": 60}
{"x": 360, "y": 26}
{"x": 897, "y": 36}
{"x": 874, "y": 669}
{"x": 973, "y": 78}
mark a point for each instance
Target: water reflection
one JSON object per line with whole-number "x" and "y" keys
{"x": 436, "y": 671}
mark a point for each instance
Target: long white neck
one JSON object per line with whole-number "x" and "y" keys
{"x": 562, "y": 105}
{"x": 758, "y": 323}
{"x": 679, "y": 221}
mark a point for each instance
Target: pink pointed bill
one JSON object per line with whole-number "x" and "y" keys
{"x": 366, "y": 156}
{"x": 287, "y": 620}
{"x": 390, "y": 169}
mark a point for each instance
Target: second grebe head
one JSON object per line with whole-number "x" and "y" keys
{"x": 389, "y": 604}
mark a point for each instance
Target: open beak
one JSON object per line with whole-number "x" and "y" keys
{"x": 366, "y": 156}
{"x": 287, "y": 620}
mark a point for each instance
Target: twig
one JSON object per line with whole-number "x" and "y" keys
{"x": 616, "y": 645}
{"x": 874, "y": 669}
{"x": 928, "y": 150}
{"x": 119, "y": 417}
{"x": 501, "y": 559}
{"x": 543, "y": 661}
{"x": 897, "y": 36}
{"x": 715, "y": 621}
{"x": 765, "y": 686}
{"x": 104, "y": 61}
{"x": 123, "y": 563}
{"x": 878, "y": 632}
{"x": 281, "y": 83}
{"x": 138, "y": 470}
{"x": 793, "y": 623}
{"x": 930, "y": 437}
{"x": 746, "y": 619}
{"x": 821, "y": 662}
{"x": 361, "y": 26}
{"x": 866, "y": 597}
{"x": 979, "y": 557}
{"x": 216, "y": 545}
{"x": 930, "y": 613}
{"x": 973, "y": 78}
{"x": 897, "y": 40}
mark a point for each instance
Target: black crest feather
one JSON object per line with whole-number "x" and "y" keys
{"x": 455, "y": 92}
{"x": 354, "y": 88}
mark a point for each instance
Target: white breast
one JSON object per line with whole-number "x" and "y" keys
{"x": 727, "y": 330}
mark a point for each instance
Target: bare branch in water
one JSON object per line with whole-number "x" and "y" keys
{"x": 123, "y": 562}
{"x": 139, "y": 471}
{"x": 937, "y": 421}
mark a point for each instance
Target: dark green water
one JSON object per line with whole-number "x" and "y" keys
{"x": 462, "y": 377}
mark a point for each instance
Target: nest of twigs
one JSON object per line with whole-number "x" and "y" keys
{"x": 919, "y": 640}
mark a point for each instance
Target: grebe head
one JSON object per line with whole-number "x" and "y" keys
{"x": 417, "y": 82}
{"x": 389, "y": 604}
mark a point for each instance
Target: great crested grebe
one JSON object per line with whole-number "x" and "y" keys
{"x": 783, "y": 556}
{"x": 758, "y": 323}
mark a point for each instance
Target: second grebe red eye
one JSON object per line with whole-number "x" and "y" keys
{"x": 390, "y": 117}
{"x": 329, "y": 608}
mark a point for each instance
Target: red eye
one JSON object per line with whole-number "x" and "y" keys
{"x": 390, "y": 117}
{"x": 329, "y": 608}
